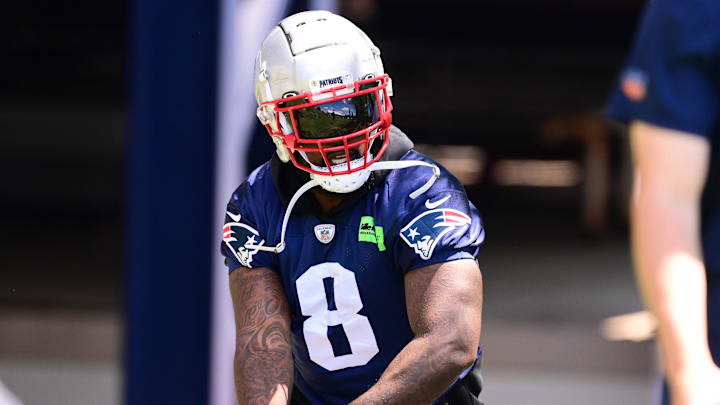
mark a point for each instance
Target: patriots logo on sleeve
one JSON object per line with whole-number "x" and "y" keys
{"x": 426, "y": 229}
{"x": 236, "y": 235}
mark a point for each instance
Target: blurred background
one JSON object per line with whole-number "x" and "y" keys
{"x": 507, "y": 94}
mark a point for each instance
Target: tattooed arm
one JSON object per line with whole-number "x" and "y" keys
{"x": 444, "y": 303}
{"x": 263, "y": 355}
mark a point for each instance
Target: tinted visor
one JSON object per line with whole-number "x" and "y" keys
{"x": 337, "y": 118}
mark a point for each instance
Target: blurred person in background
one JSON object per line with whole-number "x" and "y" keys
{"x": 669, "y": 92}
{"x": 351, "y": 256}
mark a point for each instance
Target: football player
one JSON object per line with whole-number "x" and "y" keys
{"x": 351, "y": 256}
{"x": 670, "y": 93}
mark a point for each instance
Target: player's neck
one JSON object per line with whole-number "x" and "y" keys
{"x": 326, "y": 201}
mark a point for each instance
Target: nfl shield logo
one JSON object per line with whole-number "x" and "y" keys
{"x": 325, "y": 232}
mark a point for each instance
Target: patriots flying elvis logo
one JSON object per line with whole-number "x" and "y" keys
{"x": 426, "y": 229}
{"x": 236, "y": 235}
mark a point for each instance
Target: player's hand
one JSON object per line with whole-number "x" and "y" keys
{"x": 697, "y": 387}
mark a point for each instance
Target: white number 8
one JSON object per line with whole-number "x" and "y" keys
{"x": 313, "y": 303}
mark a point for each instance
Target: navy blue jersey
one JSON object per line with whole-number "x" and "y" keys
{"x": 343, "y": 275}
{"x": 672, "y": 79}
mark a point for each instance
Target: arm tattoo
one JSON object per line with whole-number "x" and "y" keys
{"x": 263, "y": 356}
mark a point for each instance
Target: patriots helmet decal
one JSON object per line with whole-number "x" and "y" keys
{"x": 426, "y": 229}
{"x": 236, "y": 234}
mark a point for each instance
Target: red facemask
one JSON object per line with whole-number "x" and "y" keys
{"x": 328, "y": 130}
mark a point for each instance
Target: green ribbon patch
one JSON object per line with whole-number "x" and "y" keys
{"x": 368, "y": 232}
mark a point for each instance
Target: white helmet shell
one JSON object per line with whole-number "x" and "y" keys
{"x": 310, "y": 52}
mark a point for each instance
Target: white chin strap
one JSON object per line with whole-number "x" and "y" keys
{"x": 400, "y": 164}
{"x": 343, "y": 183}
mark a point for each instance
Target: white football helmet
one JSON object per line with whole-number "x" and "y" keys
{"x": 324, "y": 98}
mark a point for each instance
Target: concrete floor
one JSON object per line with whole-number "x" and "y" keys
{"x": 55, "y": 382}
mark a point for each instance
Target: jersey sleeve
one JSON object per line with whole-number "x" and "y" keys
{"x": 670, "y": 78}
{"x": 244, "y": 224}
{"x": 438, "y": 227}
